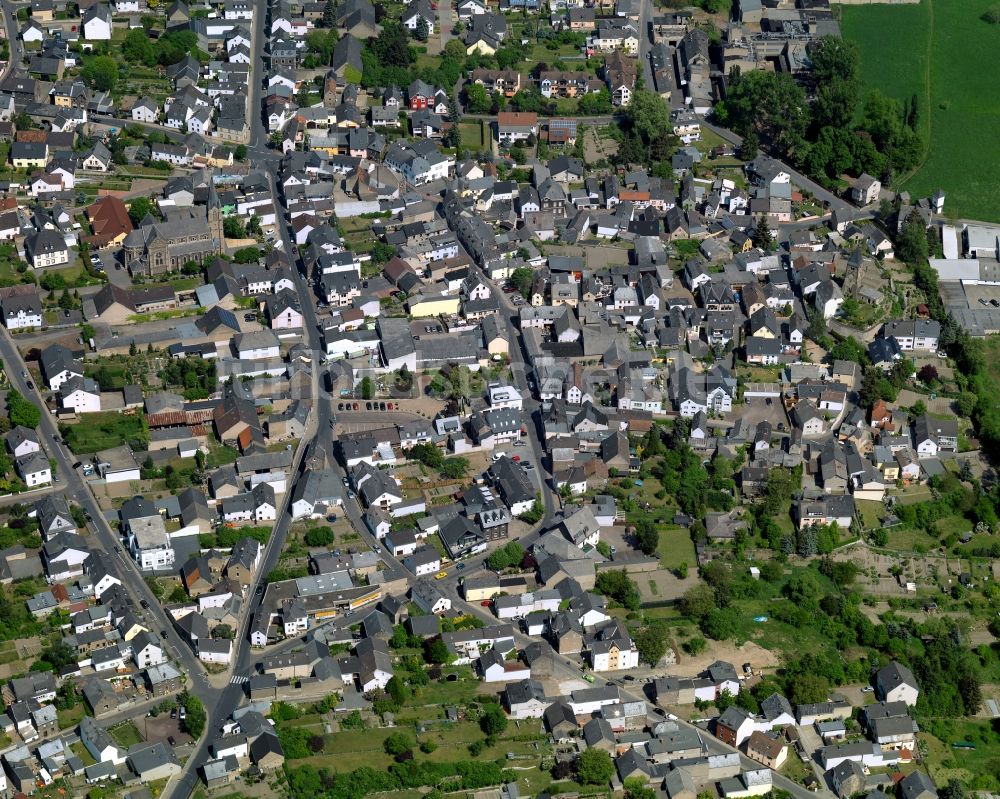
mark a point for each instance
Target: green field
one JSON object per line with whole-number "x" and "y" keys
{"x": 676, "y": 547}
{"x": 978, "y": 768}
{"x": 943, "y": 52}
{"x": 471, "y": 134}
{"x": 97, "y": 431}
{"x": 126, "y": 734}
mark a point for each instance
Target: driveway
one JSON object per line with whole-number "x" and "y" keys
{"x": 446, "y": 22}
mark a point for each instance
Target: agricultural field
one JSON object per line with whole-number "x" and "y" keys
{"x": 942, "y": 52}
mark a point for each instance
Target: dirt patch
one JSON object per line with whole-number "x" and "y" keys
{"x": 749, "y": 652}
{"x": 597, "y": 147}
{"x": 566, "y": 687}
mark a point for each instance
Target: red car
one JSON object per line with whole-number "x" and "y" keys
{"x": 516, "y": 459}
{"x": 486, "y": 603}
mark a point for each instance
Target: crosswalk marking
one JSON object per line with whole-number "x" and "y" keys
{"x": 237, "y": 679}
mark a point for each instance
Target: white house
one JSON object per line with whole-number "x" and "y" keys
{"x": 22, "y": 311}
{"x": 146, "y": 651}
{"x": 100, "y": 744}
{"x": 97, "y": 23}
{"x": 34, "y": 469}
{"x": 896, "y": 683}
{"x": 423, "y": 561}
{"x": 22, "y": 441}
{"x": 215, "y": 650}
{"x": 258, "y": 345}
{"x": 81, "y": 394}
{"x": 145, "y": 110}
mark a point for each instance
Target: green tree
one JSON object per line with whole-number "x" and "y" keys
{"x": 493, "y": 721}
{"x": 761, "y": 234}
{"x": 392, "y": 47}
{"x": 137, "y": 48}
{"x": 139, "y": 209}
{"x": 397, "y": 743}
{"x": 329, "y": 14}
{"x": 834, "y": 63}
{"x": 454, "y": 468}
{"x": 367, "y": 387}
{"x": 436, "y": 651}
{"x": 196, "y": 717}
{"x": 477, "y": 99}
{"x": 911, "y": 243}
{"x": 695, "y": 646}
{"x": 397, "y": 689}
{"x": 648, "y": 114}
{"x": 522, "y": 279}
{"x": 594, "y": 767}
{"x": 232, "y": 228}
{"x": 318, "y": 537}
{"x": 720, "y": 624}
{"x": 646, "y": 536}
{"x": 618, "y": 586}
{"x": 100, "y": 72}
{"x": 177, "y": 594}
{"x": 422, "y": 31}
{"x": 747, "y": 151}
{"x": 771, "y": 104}
{"x": 21, "y": 411}
{"x": 651, "y": 642}
{"x": 698, "y": 601}
{"x": 223, "y": 632}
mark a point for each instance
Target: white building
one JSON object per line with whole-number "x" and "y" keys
{"x": 149, "y": 543}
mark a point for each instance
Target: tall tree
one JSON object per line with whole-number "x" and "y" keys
{"x": 329, "y": 14}
{"x": 648, "y": 114}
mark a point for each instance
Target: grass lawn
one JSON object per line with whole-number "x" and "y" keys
{"x": 777, "y": 636}
{"x": 871, "y": 513}
{"x": 352, "y": 749}
{"x": 126, "y": 734}
{"x": 907, "y": 539}
{"x": 97, "y": 431}
{"x": 471, "y": 135}
{"x": 219, "y": 455}
{"x": 676, "y": 547}
{"x": 942, "y": 52}
{"x": 70, "y": 717}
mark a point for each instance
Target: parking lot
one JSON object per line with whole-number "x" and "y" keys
{"x": 757, "y": 410}
{"x": 982, "y": 296}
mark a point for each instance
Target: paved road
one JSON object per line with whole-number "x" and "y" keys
{"x": 16, "y": 45}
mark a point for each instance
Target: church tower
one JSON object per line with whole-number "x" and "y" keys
{"x": 214, "y": 213}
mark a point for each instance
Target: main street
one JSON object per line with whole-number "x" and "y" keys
{"x": 244, "y": 659}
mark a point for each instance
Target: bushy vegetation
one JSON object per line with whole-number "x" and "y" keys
{"x": 821, "y": 137}
{"x": 508, "y": 556}
{"x": 308, "y": 782}
{"x": 193, "y": 375}
{"x": 618, "y": 587}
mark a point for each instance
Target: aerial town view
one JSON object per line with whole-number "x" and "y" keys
{"x": 499, "y": 399}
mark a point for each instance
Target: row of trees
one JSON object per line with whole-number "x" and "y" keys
{"x": 308, "y": 782}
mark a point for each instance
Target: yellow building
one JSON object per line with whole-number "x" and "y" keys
{"x": 441, "y": 305}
